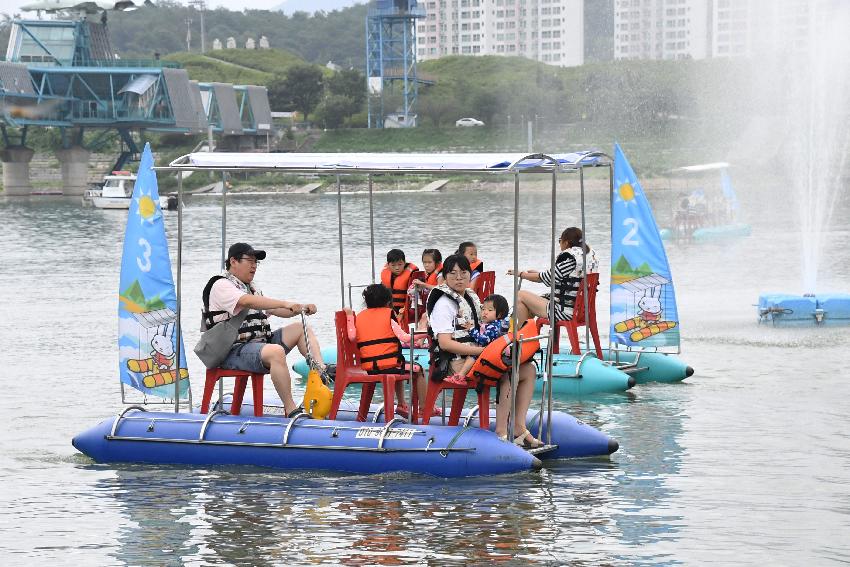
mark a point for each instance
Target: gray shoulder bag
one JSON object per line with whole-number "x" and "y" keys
{"x": 216, "y": 342}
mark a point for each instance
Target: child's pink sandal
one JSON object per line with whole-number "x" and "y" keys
{"x": 456, "y": 380}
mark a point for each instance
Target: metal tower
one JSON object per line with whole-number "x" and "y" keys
{"x": 391, "y": 59}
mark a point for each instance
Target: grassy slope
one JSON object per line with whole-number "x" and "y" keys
{"x": 207, "y": 69}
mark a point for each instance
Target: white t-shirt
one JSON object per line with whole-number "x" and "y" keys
{"x": 224, "y": 295}
{"x": 443, "y": 316}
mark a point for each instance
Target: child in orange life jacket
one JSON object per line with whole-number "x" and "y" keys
{"x": 396, "y": 277}
{"x": 494, "y": 324}
{"x": 380, "y": 339}
{"x": 470, "y": 250}
{"x": 432, "y": 264}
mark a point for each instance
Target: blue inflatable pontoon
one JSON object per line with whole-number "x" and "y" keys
{"x": 343, "y": 445}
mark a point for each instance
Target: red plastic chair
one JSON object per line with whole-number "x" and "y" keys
{"x": 348, "y": 371}
{"x": 578, "y": 319}
{"x": 408, "y": 312}
{"x": 216, "y": 374}
{"x": 458, "y": 399}
{"x": 484, "y": 285}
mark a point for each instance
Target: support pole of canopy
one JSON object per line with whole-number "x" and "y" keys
{"x": 223, "y": 249}
{"x": 223, "y": 221}
{"x": 611, "y": 352}
{"x": 553, "y": 324}
{"x": 515, "y": 323}
{"x": 371, "y": 230}
{"x": 584, "y": 261}
{"x": 179, "y": 288}
{"x": 339, "y": 216}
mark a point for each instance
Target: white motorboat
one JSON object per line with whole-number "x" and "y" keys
{"x": 115, "y": 193}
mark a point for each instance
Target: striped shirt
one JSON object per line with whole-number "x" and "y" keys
{"x": 568, "y": 273}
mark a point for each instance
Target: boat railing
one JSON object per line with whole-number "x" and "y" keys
{"x": 342, "y": 164}
{"x": 208, "y": 420}
{"x": 354, "y": 286}
{"x": 122, "y": 415}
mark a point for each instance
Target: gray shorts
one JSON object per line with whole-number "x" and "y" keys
{"x": 246, "y": 356}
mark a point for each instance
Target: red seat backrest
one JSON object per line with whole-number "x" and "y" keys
{"x": 408, "y": 311}
{"x": 484, "y": 285}
{"x": 578, "y": 309}
{"x": 348, "y": 355}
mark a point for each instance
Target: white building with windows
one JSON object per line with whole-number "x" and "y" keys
{"x": 662, "y": 29}
{"x": 753, "y": 27}
{"x": 696, "y": 29}
{"x": 551, "y": 31}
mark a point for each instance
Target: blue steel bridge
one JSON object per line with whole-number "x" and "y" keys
{"x": 64, "y": 74}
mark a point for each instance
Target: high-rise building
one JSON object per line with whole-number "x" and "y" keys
{"x": 551, "y": 31}
{"x": 755, "y": 27}
{"x": 662, "y": 29}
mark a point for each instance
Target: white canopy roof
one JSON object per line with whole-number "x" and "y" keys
{"x": 382, "y": 162}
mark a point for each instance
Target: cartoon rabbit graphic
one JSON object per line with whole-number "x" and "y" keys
{"x": 648, "y": 321}
{"x": 650, "y": 306}
{"x": 163, "y": 347}
{"x": 158, "y": 369}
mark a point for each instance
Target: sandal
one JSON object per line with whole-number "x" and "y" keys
{"x": 329, "y": 373}
{"x": 298, "y": 411}
{"x": 456, "y": 380}
{"x": 527, "y": 441}
{"x": 403, "y": 410}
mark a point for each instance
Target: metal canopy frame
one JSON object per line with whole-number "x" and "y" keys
{"x": 547, "y": 164}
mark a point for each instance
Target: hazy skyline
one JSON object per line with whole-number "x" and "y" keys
{"x": 14, "y": 6}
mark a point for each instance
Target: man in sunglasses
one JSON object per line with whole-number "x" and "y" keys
{"x": 257, "y": 347}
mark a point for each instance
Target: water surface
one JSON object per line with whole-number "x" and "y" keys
{"x": 745, "y": 462}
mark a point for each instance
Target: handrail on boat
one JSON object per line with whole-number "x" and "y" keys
{"x": 290, "y": 425}
{"x": 207, "y": 422}
{"x": 386, "y": 430}
{"x": 121, "y": 415}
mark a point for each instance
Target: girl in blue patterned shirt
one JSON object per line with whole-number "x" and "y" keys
{"x": 494, "y": 324}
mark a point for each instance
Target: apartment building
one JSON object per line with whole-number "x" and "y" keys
{"x": 551, "y": 31}
{"x": 662, "y": 29}
{"x": 755, "y": 27}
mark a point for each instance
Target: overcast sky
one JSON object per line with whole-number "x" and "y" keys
{"x": 13, "y": 6}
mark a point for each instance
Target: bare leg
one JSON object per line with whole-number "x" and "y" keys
{"x": 399, "y": 393}
{"x": 525, "y": 391}
{"x": 530, "y": 304}
{"x": 468, "y": 363}
{"x": 421, "y": 391}
{"x": 274, "y": 357}
{"x": 293, "y": 334}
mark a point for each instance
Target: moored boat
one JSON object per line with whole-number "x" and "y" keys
{"x": 115, "y": 192}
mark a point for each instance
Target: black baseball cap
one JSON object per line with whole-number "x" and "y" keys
{"x": 242, "y": 249}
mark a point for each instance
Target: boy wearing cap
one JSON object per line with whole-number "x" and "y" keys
{"x": 257, "y": 347}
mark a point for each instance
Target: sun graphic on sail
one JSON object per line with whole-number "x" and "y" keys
{"x": 626, "y": 193}
{"x": 148, "y": 208}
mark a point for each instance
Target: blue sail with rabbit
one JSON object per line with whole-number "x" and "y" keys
{"x": 147, "y": 306}
{"x": 643, "y": 300}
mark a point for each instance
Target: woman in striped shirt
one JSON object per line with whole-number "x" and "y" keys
{"x": 569, "y": 270}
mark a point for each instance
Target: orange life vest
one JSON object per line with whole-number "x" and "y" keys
{"x": 478, "y": 266}
{"x": 379, "y": 348}
{"x": 495, "y": 359}
{"x": 432, "y": 277}
{"x": 398, "y": 284}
